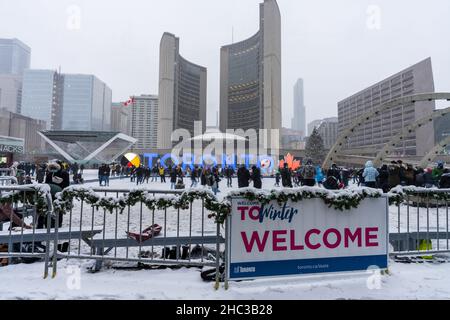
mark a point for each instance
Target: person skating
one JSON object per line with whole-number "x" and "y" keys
{"x": 256, "y": 177}
{"x": 370, "y": 175}
{"x": 173, "y": 178}
{"x": 286, "y": 176}
{"x": 243, "y": 176}
{"x": 309, "y": 174}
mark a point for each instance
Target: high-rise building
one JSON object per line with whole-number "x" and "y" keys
{"x": 379, "y": 130}
{"x": 442, "y": 129}
{"x": 144, "y": 122}
{"x": 67, "y": 101}
{"x": 120, "y": 118}
{"x": 328, "y": 130}
{"x": 182, "y": 92}
{"x": 86, "y": 103}
{"x": 299, "y": 120}
{"x": 14, "y": 56}
{"x": 250, "y": 76}
{"x": 42, "y": 96}
{"x": 10, "y": 92}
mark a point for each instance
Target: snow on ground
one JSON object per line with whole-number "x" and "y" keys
{"x": 406, "y": 281}
{"x": 74, "y": 281}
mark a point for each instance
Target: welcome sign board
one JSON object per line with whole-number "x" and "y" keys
{"x": 305, "y": 237}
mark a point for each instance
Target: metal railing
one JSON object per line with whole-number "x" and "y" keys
{"x": 187, "y": 236}
{"x": 420, "y": 224}
{"x": 28, "y": 233}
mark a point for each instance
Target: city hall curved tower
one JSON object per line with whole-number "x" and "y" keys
{"x": 182, "y": 92}
{"x": 250, "y": 76}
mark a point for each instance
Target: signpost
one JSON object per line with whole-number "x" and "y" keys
{"x": 305, "y": 237}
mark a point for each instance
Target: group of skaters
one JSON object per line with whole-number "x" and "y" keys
{"x": 386, "y": 177}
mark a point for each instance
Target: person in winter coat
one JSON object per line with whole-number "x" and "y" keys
{"x": 444, "y": 183}
{"x": 277, "y": 179}
{"x": 286, "y": 176}
{"x": 394, "y": 175}
{"x": 173, "y": 178}
{"x": 194, "y": 176}
{"x": 383, "y": 178}
{"x": 309, "y": 174}
{"x": 229, "y": 172}
{"x": 162, "y": 174}
{"x": 40, "y": 173}
{"x": 243, "y": 177}
{"x": 437, "y": 172}
{"x": 370, "y": 175}
{"x": 58, "y": 179}
{"x": 256, "y": 177}
{"x": 319, "y": 176}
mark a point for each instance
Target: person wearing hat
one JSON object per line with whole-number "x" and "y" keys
{"x": 58, "y": 179}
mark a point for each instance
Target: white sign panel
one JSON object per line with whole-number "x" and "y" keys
{"x": 305, "y": 237}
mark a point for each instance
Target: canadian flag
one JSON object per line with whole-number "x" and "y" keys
{"x": 128, "y": 102}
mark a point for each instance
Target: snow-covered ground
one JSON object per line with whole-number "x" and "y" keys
{"x": 406, "y": 281}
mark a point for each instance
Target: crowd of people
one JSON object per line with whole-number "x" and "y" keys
{"x": 386, "y": 177}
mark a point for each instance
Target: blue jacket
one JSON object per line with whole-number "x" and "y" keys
{"x": 319, "y": 174}
{"x": 370, "y": 174}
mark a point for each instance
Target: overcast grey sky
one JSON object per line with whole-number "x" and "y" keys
{"x": 328, "y": 43}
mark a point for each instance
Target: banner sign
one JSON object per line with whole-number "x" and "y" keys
{"x": 305, "y": 237}
{"x": 11, "y": 145}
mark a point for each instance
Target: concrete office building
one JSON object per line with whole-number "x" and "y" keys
{"x": 120, "y": 118}
{"x": 10, "y": 92}
{"x": 14, "y": 56}
{"x": 376, "y": 132}
{"x": 182, "y": 92}
{"x": 299, "y": 120}
{"x": 250, "y": 76}
{"x": 18, "y": 126}
{"x": 42, "y": 96}
{"x": 86, "y": 103}
{"x": 144, "y": 122}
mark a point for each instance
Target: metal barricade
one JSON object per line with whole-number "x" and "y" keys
{"x": 24, "y": 238}
{"x": 419, "y": 226}
{"x": 187, "y": 236}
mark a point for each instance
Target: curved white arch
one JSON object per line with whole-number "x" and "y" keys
{"x": 390, "y": 146}
{"x": 434, "y": 152}
{"x": 366, "y": 117}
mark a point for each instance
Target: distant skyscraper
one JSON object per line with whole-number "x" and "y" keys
{"x": 182, "y": 92}
{"x": 67, "y": 101}
{"x": 120, "y": 118}
{"x": 86, "y": 103}
{"x": 14, "y": 56}
{"x": 250, "y": 76}
{"x": 41, "y": 96}
{"x": 299, "y": 120}
{"x": 10, "y": 92}
{"x": 379, "y": 130}
{"x": 328, "y": 130}
{"x": 144, "y": 122}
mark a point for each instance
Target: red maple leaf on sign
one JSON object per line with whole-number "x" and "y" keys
{"x": 291, "y": 162}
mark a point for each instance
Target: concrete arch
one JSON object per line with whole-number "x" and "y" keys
{"x": 337, "y": 148}
{"x": 434, "y": 152}
{"x": 390, "y": 146}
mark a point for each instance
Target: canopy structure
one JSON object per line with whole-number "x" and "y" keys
{"x": 83, "y": 147}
